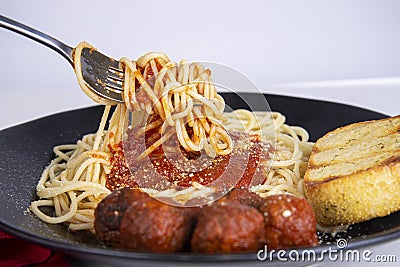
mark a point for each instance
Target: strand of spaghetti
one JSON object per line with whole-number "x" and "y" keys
{"x": 186, "y": 107}
{"x": 60, "y": 204}
{"x": 203, "y": 119}
{"x": 149, "y": 91}
{"x": 103, "y": 176}
{"x": 54, "y": 189}
{"x": 83, "y": 218}
{"x": 287, "y": 174}
{"x": 57, "y": 206}
{"x": 129, "y": 84}
{"x": 100, "y": 131}
{"x": 184, "y": 138}
{"x": 76, "y": 56}
{"x": 81, "y": 226}
{"x": 54, "y": 168}
{"x": 155, "y": 145}
{"x": 62, "y": 155}
{"x": 306, "y": 147}
{"x": 73, "y": 208}
{"x": 123, "y": 124}
{"x": 183, "y": 71}
{"x": 300, "y": 188}
{"x": 285, "y": 187}
{"x": 77, "y": 162}
{"x": 143, "y": 60}
{"x": 87, "y": 164}
{"x": 165, "y": 71}
{"x": 207, "y": 103}
{"x": 84, "y": 145}
{"x": 85, "y": 212}
{"x": 250, "y": 122}
{"x": 43, "y": 178}
{"x": 64, "y": 201}
{"x": 114, "y": 134}
{"x": 219, "y": 140}
{"x": 88, "y": 205}
{"x": 97, "y": 169}
{"x": 166, "y": 102}
{"x": 297, "y": 155}
{"x": 43, "y": 192}
{"x": 290, "y": 131}
{"x": 189, "y": 192}
{"x": 148, "y": 127}
{"x": 301, "y": 133}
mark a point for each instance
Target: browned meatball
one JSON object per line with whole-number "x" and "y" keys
{"x": 192, "y": 213}
{"x": 109, "y": 212}
{"x": 150, "y": 225}
{"x": 245, "y": 197}
{"x": 228, "y": 226}
{"x": 289, "y": 222}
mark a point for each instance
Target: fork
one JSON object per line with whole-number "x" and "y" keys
{"x": 102, "y": 74}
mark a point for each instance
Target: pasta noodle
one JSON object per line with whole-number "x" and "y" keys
{"x": 74, "y": 182}
{"x": 292, "y": 149}
{"x": 165, "y": 98}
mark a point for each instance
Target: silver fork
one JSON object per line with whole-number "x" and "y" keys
{"x": 101, "y": 73}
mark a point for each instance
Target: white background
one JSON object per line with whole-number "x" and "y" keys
{"x": 346, "y": 51}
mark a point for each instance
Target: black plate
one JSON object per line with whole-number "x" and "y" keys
{"x": 27, "y": 148}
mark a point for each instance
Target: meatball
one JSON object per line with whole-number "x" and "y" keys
{"x": 192, "y": 213}
{"x": 109, "y": 212}
{"x": 246, "y": 197}
{"x": 289, "y": 222}
{"x": 152, "y": 226}
{"x": 228, "y": 226}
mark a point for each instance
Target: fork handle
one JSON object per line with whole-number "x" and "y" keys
{"x": 45, "y": 39}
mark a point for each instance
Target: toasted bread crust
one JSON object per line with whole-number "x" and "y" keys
{"x": 348, "y": 180}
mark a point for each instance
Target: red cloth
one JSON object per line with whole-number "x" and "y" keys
{"x": 15, "y": 252}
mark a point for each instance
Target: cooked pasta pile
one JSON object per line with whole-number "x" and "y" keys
{"x": 167, "y": 99}
{"x": 292, "y": 149}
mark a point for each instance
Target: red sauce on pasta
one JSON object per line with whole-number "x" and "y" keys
{"x": 245, "y": 166}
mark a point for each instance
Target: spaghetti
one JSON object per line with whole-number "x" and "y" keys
{"x": 165, "y": 99}
{"x": 292, "y": 149}
{"x": 74, "y": 182}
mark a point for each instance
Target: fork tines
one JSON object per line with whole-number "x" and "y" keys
{"x": 102, "y": 74}
{"x": 115, "y": 79}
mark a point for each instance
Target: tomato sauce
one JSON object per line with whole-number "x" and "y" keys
{"x": 245, "y": 166}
